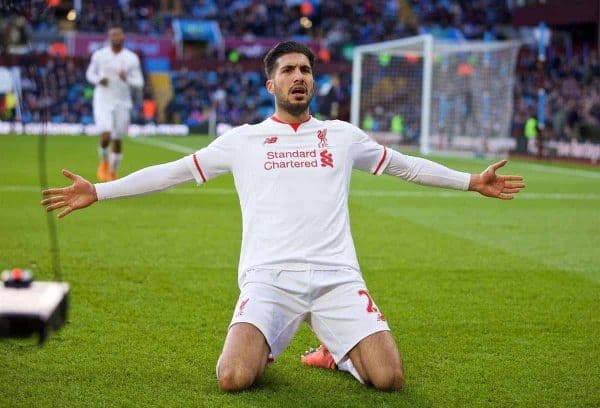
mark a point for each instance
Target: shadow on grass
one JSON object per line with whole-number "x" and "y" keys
{"x": 329, "y": 389}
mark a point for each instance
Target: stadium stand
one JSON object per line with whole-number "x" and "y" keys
{"x": 235, "y": 92}
{"x": 573, "y": 82}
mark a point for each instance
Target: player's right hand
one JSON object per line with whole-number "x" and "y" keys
{"x": 78, "y": 195}
{"x": 103, "y": 82}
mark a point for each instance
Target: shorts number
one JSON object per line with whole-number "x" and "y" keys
{"x": 370, "y": 307}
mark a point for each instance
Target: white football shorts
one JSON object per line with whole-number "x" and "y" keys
{"x": 335, "y": 304}
{"x": 113, "y": 119}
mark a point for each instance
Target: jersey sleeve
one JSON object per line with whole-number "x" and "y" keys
{"x": 426, "y": 172}
{"x": 367, "y": 154}
{"x": 135, "y": 78}
{"x": 92, "y": 74}
{"x": 215, "y": 159}
{"x": 147, "y": 180}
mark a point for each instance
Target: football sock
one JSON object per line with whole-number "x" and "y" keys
{"x": 346, "y": 365}
{"x": 103, "y": 153}
{"x": 217, "y": 367}
{"x": 114, "y": 161}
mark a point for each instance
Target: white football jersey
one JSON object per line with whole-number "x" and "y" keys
{"x": 106, "y": 64}
{"x": 293, "y": 184}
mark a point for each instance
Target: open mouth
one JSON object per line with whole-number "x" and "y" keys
{"x": 298, "y": 90}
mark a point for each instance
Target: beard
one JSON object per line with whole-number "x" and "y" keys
{"x": 293, "y": 108}
{"x": 117, "y": 44}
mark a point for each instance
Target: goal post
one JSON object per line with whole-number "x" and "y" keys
{"x": 436, "y": 95}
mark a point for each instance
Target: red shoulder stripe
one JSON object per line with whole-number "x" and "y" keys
{"x": 381, "y": 161}
{"x": 199, "y": 168}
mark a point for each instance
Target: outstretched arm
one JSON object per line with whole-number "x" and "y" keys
{"x": 426, "y": 172}
{"x": 82, "y": 193}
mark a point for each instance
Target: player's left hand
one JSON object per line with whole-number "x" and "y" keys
{"x": 490, "y": 184}
{"x": 123, "y": 75}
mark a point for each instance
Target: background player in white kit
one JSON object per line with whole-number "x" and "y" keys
{"x": 297, "y": 260}
{"x": 114, "y": 70}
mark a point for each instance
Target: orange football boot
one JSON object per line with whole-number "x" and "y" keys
{"x": 102, "y": 172}
{"x": 319, "y": 357}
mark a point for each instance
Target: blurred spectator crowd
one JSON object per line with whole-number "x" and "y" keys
{"x": 326, "y": 21}
{"x": 572, "y": 84}
{"x": 58, "y": 92}
{"x": 333, "y": 23}
{"x": 238, "y": 97}
{"x": 235, "y": 97}
{"x": 473, "y": 18}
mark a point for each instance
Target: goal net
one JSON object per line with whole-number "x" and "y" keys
{"x": 436, "y": 95}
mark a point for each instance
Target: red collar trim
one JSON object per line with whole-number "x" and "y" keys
{"x": 294, "y": 126}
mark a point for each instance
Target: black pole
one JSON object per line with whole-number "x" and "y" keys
{"x": 42, "y": 148}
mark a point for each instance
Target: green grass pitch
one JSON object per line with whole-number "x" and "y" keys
{"x": 492, "y": 303}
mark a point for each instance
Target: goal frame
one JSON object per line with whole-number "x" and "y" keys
{"x": 425, "y": 47}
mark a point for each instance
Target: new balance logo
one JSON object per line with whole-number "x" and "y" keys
{"x": 270, "y": 140}
{"x": 326, "y": 159}
{"x": 241, "y": 308}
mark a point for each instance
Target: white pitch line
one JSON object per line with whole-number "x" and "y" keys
{"x": 365, "y": 193}
{"x": 20, "y": 189}
{"x": 165, "y": 145}
{"x": 545, "y": 168}
{"x": 356, "y": 193}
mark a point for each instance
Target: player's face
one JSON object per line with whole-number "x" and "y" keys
{"x": 116, "y": 38}
{"x": 292, "y": 83}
